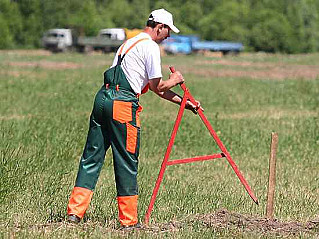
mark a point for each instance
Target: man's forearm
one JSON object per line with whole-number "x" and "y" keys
{"x": 177, "y": 99}
{"x": 171, "y": 96}
{"x": 164, "y": 86}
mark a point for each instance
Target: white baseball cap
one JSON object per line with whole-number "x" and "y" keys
{"x": 164, "y": 17}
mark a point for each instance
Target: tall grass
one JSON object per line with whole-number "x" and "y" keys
{"x": 44, "y": 121}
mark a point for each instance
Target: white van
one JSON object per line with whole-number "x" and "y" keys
{"x": 58, "y": 39}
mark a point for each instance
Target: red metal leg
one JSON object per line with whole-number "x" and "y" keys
{"x": 200, "y": 158}
{"x": 164, "y": 163}
{"x": 227, "y": 155}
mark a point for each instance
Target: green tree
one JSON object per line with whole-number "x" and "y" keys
{"x": 84, "y": 15}
{"x": 178, "y": 17}
{"x": 209, "y": 5}
{"x": 295, "y": 17}
{"x": 311, "y": 25}
{"x": 228, "y": 21}
{"x": 189, "y": 15}
{"x": 271, "y": 32}
{"x": 13, "y": 26}
{"x": 120, "y": 13}
{"x": 267, "y": 25}
{"x": 139, "y": 13}
{"x": 55, "y": 14}
{"x": 105, "y": 18}
{"x": 303, "y": 17}
{"x": 32, "y": 22}
{"x": 5, "y": 35}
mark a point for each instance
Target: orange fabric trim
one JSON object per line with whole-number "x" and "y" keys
{"x": 79, "y": 201}
{"x": 127, "y": 206}
{"x": 138, "y": 122}
{"x": 134, "y": 45}
{"x": 122, "y": 111}
{"x": 120, "y": 52}
{"x": 131, "y": 138}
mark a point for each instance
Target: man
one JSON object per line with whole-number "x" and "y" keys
{"x": 115, "y": 118}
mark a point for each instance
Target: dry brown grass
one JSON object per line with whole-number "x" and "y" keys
{"x": 254, "y": 70}
{"x": 47, "y": 65}
{"x": 26, "y": 52}
{"x": 219, "y": 220}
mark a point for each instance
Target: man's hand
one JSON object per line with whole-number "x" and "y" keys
{"x": 160, "y": 86}
{"x": 176, "y": 77}
{"x": 190, "y": 106}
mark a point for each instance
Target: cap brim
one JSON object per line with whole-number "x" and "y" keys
{"x": 174, "y": 29}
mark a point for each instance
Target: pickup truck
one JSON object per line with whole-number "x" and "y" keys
{"x": 107, "y": 40}
{"x": 186, "y": 44}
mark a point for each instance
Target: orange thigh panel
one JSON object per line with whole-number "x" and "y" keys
{"x": 131, "y": 138}
{"x": 122, "y": 111}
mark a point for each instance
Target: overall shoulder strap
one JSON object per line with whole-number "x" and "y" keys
{"x": 120, "y": 57}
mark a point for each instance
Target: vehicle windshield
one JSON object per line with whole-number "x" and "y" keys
{"x": 107, "y": 35}
{"x": 54, "y": 34}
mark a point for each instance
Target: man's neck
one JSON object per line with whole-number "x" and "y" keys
{"x": 151, "y": 32}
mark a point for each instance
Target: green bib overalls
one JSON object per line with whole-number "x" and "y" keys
{"x": 114, "y": 122}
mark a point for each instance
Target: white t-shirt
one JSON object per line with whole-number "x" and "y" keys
{"x": 141, "y": 63}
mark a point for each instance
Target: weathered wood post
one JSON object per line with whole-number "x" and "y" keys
{"x": 272, "y": 176}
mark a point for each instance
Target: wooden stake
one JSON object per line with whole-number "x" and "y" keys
{"x": 272, "y": 176}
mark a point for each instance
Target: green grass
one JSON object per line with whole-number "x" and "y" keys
{"x": 44, "y": 121}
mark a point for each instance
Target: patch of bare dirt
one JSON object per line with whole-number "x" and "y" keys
{"x": 12, "y": 73}
{"x": 47, "y": 65}
{"x": 39, "y": 52}
{"x": 255, "y": 70}
{"x": 233, "y": 63}
{"x": 225, "y": 219}
{"x": 276, "y": 73}
{"x": 269, "y": 113}
{"x": 236, "y": 222}
{"x": 14, "y": 117}
{"x": 15, "y": 73}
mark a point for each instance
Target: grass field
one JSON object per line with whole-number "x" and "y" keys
{"x": 45, "y": 105}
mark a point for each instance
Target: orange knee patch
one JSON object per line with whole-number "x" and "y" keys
{"x": 127, "y": 209}
{"x": 131, "y": 138}
{"x": 122, "y": 111}
{"x": 79, "y": 201}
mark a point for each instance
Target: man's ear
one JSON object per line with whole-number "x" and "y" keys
{"x": 160, "y": 26}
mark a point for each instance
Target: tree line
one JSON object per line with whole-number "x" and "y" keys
{"x": 288, "y": 26}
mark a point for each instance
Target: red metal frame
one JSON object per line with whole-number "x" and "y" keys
{"x": 187, "y": 96}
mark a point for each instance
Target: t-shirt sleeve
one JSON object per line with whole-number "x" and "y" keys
{"x": 153, "y": 62}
